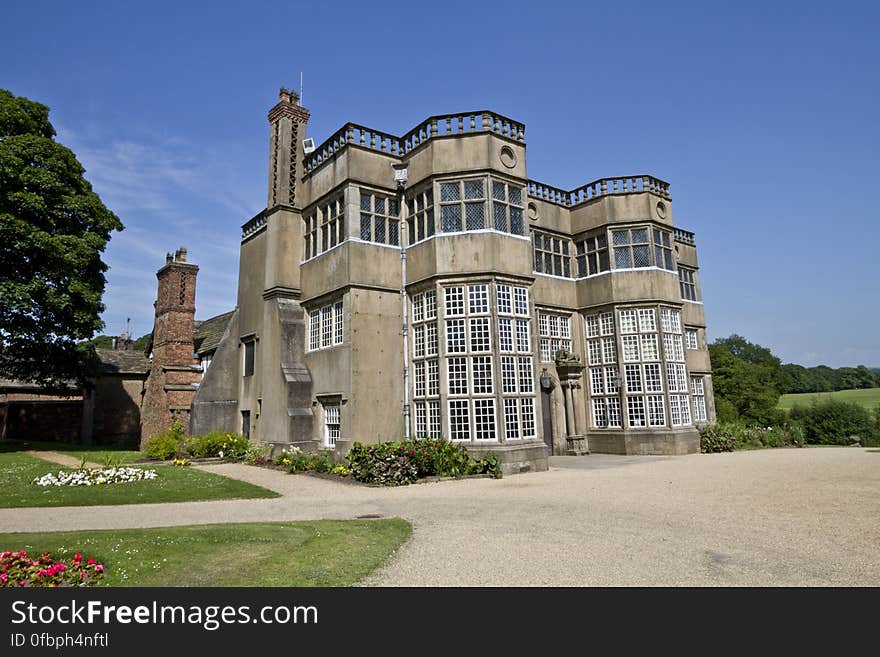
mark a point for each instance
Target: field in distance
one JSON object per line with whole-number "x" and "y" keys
{"x": 867, "y": 397}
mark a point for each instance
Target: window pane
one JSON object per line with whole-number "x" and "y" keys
{"x": 473, "y": 189}
{"x": 620, "y": 237}
{"x": 514, "y": 195}
{"x": 449, "y": 192}
{"x": 498, "y": 190}
{"x": 641, "y": 256}
{"x": 516, "y": 221}
{"x": 450, "y": 218}
{"x": 499, "y": 212}
{"x": 639, "y": 235}
{"x": 475, "y": 213}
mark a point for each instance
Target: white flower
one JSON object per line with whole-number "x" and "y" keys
{"x": 95, "y": 476}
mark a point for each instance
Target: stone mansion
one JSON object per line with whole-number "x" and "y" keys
{"x": 423, "y": 285}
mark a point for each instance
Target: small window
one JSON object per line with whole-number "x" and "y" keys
{"x": 249, "y": 358}
{"x": 246, "y": 424}
{"x": 331, "y": 424}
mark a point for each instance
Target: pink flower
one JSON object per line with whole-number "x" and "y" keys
{"x": 99, "y": 568}
{"x": 77, "y": 557}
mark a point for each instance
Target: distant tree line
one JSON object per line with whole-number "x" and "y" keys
{"x": 822, "y": 378}
{"x": 106, "y": 342}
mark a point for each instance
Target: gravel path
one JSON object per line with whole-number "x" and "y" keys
{"x": 61, "y": 459}
{"x": 773, "y": 517}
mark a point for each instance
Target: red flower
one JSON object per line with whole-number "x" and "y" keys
{"x": 91, "y": 560}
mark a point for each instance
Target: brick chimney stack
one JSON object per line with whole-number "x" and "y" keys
{"x": 287, "y": 129}
{"x": 170, "y": 386}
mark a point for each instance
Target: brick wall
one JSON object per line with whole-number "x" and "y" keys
{"x": 169, "y": 387}
{"x": 59, "y": 420}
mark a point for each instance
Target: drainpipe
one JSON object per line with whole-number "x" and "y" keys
{"x": 400, "y": 175}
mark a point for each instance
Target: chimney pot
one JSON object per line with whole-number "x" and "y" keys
{"x": 168, "y": 258}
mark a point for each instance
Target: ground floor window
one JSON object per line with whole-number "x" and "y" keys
{"x": 246, "y": 424}
{"x": 331, "y": 424}
{"x": 427, "y": 416}
{"x": 698, "y": 394}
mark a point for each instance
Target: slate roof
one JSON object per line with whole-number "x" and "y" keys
{"x": 207, "y": 334}
{"x": 123, "y": 362}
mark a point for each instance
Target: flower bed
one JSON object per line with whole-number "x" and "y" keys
{"x": 95, "y": 476}
{"x": 18, "y": 569}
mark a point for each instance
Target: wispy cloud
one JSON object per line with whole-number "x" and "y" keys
{"x": 169, "y": 192}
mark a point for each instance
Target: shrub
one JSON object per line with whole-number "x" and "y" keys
{"x": 217, "y": 443}
{"x": 387, "y": 464}
{"x": 19, "y": 569}
{"x": 423, "y": 452}
{"x": 429, "y": 456}
{"x": 717, "y": 438}
{"x": 167, "y": 444}
{"x": 728, "y": 436}
{"x": 452, "y": 460}
{"x": 834, "y": 422}
{"x": 307, "y": 462}
{"x": 487, "y": 465}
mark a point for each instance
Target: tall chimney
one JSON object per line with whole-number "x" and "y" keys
{"x": 168, "y": 392}
{"x": 287, "y": 129}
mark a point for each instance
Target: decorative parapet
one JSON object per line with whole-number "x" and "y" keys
{"x": 534, "y": 189}
{"x": 684, "y": 236}
{"x": 597, "y": 188}
{"x": 443, "y": 125}
{"x": 253, "y": 226}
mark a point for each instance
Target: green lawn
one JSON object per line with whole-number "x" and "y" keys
{"x": 306, "y": 553}
{"x": 174, "y": 484}
{"x": 867, "y": 397}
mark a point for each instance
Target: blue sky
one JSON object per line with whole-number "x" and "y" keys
{"x": 763, "y": 116}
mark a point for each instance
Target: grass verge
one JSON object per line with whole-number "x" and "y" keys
{"x": 174, "y": 484}
{"x": 867, "y": 397}
{"x": 304, "y": 553}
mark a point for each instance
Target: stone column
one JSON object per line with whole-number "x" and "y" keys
{"x": 570, "y": 429}
{"x": 575, "y": 398}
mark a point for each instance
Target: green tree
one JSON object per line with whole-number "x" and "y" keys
{"x": 53, "y": 229}
{"x": 748, "y": 380}
{"x": 141, "y": 343}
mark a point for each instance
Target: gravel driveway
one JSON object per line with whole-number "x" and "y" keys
{"x": 771, "y": 517}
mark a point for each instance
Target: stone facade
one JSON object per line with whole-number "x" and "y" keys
{"x": 374, "y": 305}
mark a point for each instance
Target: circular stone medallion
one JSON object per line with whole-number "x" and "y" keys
{"x": 507, "y": 157}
